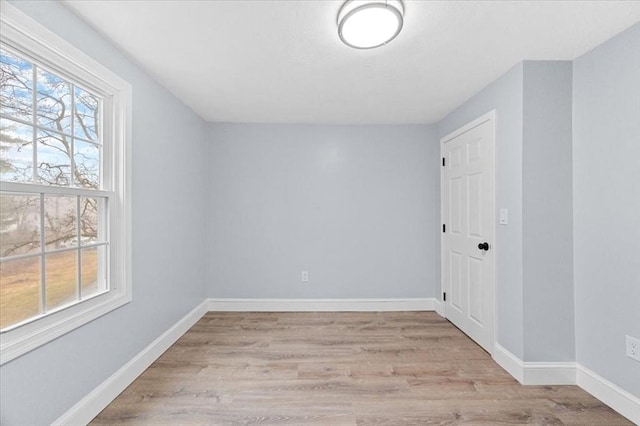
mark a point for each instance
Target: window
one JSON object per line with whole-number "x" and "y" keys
{"x": 64, "y": 190}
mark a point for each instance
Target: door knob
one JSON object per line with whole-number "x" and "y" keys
{"x": 484, "y": 246}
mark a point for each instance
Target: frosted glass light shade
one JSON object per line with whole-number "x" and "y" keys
{"x": 366, "y": 24}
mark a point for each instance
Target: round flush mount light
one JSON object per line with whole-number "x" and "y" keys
{"x": 367, "y": 24}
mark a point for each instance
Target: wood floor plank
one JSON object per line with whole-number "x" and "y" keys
{"x": 348, "y": 368}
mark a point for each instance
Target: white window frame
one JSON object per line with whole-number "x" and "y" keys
{"x": 25, "y": 35}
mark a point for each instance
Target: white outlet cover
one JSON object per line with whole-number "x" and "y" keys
{"x": 633, "y": 348}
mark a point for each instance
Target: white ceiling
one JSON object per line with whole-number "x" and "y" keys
{"x": 282, "y": 62}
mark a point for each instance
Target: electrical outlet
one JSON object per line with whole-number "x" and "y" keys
{"x": 633, "y": 348}
{"x": 304, "y": 276}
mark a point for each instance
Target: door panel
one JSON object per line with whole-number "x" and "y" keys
{"x": 456, "y": 204}
{"x": 456, "y": 280}
{"x": 475, "y": 289}
{"x": 475, "y": 205}
{"x": 468, "y": 213}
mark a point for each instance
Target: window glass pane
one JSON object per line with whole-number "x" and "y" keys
{"x": 54, "y": 159}
{"x": 19, "y": 224}
{"x": 61, "y": 278}
{"x": 90, "y": 228}
{"x": 87, "y": 162}
{"x": 93, "y": 276}
{"x": 87, "y": 115}
{"x": 16, "y": 86}
{"x": 16, "y": 151}
{"x": 54, "y": 102}
{"x": 60, "y": 221}
{"x": 19, "y": 290}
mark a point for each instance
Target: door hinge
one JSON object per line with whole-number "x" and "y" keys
{"x": 442, "y": 161}
{"x": 444, "y": 228}
{"x": 444, "y": 296}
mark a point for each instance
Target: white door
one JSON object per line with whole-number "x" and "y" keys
{"x": 468, "y": 218}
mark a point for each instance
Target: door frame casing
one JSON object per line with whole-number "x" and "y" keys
{"x": 491, "y": 117}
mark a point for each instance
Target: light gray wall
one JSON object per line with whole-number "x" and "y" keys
{"x": 505, "y": 96}
{"x": 356, "y": 206}
{"x": 606, "y": 183}
{"x": 547, "y": 212}
{"x": 168, "y": 244}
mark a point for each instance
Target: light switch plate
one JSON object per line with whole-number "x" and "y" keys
{"x": 504, "y": 216}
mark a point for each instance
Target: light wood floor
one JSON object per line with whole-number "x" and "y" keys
{"x": 391, "y": 368}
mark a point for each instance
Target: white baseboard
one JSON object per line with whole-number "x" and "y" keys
{"x": 511, "y": 363}
{"x": 615, "y": 397}
{"x": 535, "y": 373}
{"x": 569, "y": 373}
{"x": 439, "y": 307}
{"x": 321, "y": 305}
{"x": 549, "y": 373}
{"x": 91, "y": 405}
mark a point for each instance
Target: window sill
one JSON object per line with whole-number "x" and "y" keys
{"x": 23, "y": 339}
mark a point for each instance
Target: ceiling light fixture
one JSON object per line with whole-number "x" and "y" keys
{"x": 367, "y": 24}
